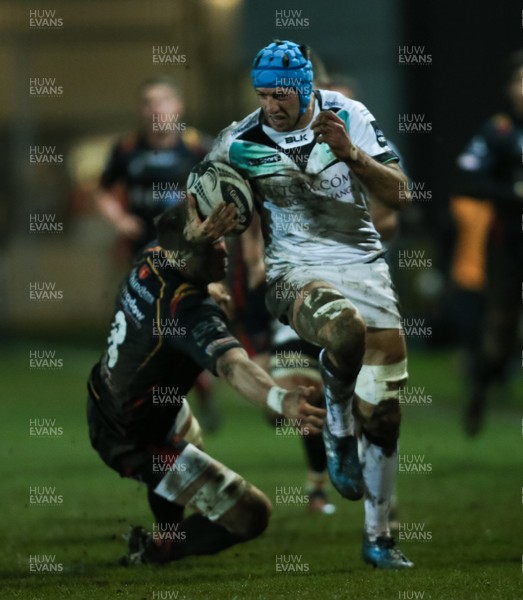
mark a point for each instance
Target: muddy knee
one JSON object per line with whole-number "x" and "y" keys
{"x": 327, "y": 318}
{"x": 251, "y": 514}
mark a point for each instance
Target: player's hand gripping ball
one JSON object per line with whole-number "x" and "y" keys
{"x": 212, "y": 182}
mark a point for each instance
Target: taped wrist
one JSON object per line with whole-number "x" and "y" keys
{"x": 275, "y": 398}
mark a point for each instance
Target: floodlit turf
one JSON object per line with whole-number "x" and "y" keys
{"x": 467, "y": 503}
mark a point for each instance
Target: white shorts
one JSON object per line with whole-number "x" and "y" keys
{"x": 367, "y": 285}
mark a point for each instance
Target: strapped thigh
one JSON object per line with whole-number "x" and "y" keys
{"x": 200, "y": 481}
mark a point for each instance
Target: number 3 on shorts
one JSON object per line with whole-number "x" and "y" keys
{"x": 117, "y": 336}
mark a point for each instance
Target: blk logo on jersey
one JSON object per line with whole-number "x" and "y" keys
{"x": 296, "y": 139}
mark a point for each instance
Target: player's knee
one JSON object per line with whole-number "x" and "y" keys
{"x": 378, "y": 389}
{"x": 344, "y": 336}
{"x": 253, "y": 513}
{"x": 327, "y": 318}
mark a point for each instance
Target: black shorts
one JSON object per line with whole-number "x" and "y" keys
{"x": 145, "y": 461}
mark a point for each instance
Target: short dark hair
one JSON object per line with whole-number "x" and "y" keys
{"x": 159, "y": 80}
{"x": 170, "y": 227}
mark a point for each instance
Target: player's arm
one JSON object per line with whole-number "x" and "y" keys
{"x": 384, "y": 182}
{"x": 385, "y": 219}
{"x": 110, "y": 207}
{"x": 255, "y": 384}
{"x": 211, "y": 345}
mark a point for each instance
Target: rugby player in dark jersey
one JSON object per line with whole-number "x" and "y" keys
{"x": 490, "y": 171}
{"x": 151, "y": 165}
{"x": 166, "y": 329}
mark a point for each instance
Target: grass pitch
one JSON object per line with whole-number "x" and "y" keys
{"x": 464, "y": 505}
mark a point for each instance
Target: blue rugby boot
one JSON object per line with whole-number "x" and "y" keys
{"x": 384, "y": 554}
{"x": 343, "y": 463}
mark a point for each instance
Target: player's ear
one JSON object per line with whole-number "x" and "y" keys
{"x": 305, "y": 50}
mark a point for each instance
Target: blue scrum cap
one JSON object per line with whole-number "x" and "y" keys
{"x": 284, "y": 64}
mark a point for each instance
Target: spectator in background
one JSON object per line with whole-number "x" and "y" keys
{"x": 488, "y": 262}
{"x": 151, "y": 165}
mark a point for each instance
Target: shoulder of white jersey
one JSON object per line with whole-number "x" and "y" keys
{"x": 227, "y": 136}
{"x": 330, "y": 99}
{"x": 236, "y": 128}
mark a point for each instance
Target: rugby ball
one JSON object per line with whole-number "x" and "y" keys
{"x": 212, "y": 182}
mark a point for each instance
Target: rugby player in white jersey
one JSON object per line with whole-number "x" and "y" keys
{"x": 314, "y": 159}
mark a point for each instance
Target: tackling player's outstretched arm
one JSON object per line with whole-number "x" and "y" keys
{"x": 211, "y": 345}
{"x": 255, "y": 384}
{"x": 384, "y": 182}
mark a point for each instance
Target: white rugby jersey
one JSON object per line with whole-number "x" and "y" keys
{"x": 313, "y": 208}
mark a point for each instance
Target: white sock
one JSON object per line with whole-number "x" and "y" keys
{"x": 379, "y": 475}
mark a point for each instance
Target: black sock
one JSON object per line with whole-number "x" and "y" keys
{"x": 315, "y": 452}
{"x": 163, "y": 510}
{"x": 196, "y": 535}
